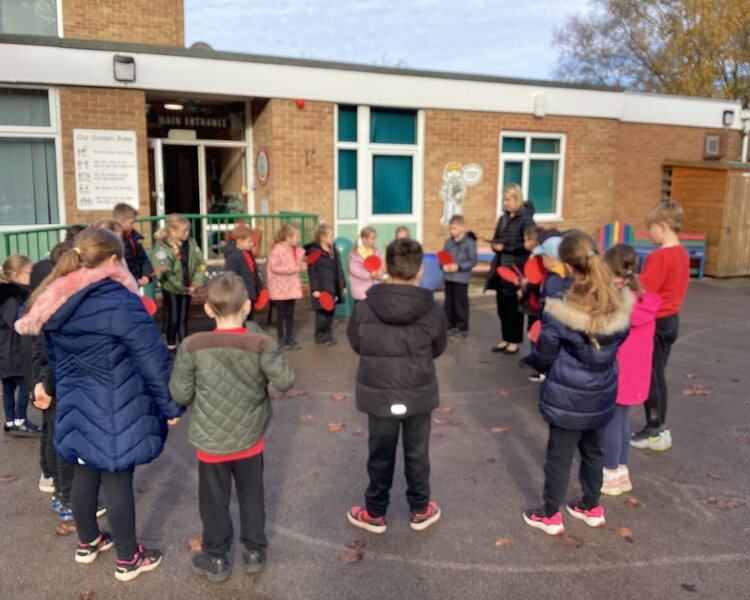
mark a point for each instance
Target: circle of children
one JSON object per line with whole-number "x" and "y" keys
{"x": 96, "y": 362}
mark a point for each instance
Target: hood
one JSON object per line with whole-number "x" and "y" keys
{"x": 10, "y": 289}
{"x": 231, "y": 248}
{"x": 472, "y": 235}
{"x": 576, "y": 319}
{"x": 397, "y": 304}
{"x": 528, "y": 208}
{"x": 63, "y": 289}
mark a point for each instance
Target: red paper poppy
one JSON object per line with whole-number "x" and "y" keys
{"x": 373, "y": 264}
{"x": 535, "y": 330}
{"x": 149, "y": 305}
{"x": 534, "y": 270}
{"x": 444, "y": 257}
{"x": 261, "y": 300}
{"x": 314, "y": 256}
{"x": 508, "y": 275}
{"x": 326, "y": 301}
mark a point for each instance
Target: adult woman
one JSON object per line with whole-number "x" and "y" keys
{"x": 507, "y": 242}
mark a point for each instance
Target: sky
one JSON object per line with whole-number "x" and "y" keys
{"x": 510, "y": 38}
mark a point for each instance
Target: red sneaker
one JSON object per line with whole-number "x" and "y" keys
{"x": 592, "y": 518}
{"x": 550, "y": 525}
{"x": 421, "y": 521}
{"x": 359, "y": 517}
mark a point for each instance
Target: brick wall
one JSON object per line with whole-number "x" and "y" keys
{"x": 101, "y": 108}
{"x": 138, "y": 21}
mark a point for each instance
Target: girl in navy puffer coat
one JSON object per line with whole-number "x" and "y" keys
{"x": 112, "y": 394}
{"x": 577, "y": 347}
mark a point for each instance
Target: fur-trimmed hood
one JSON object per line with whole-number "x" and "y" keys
{"x": 63, "y": 289}
{"x": 576, "y": 319}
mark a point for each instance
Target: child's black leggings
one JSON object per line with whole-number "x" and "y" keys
{"x": 285, "y": 320}
{"x": 176, "y": 312}
{"x": 665, "y": 336}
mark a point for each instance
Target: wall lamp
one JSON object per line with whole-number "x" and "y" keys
{"x": 727, "y": 118}
{"x": 124, "y": 67}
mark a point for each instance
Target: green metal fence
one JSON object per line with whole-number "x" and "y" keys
{"x": 211, "y": 232}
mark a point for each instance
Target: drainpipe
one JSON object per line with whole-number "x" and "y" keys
{"x": 745, "y": 117}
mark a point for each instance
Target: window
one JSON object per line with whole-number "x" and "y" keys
{"x": 535, "y": 162}
{"x": 347, "y": 123}
{"x": 393, "y": 126}
{"x": 28, "y": 158}
{"x": 30, "y": 17}
{"x": 392, "y": 185}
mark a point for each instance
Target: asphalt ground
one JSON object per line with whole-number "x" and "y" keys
{"x": 686, "y": 538}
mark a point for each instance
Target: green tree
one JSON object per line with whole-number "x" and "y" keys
{"x": 688, "y": 47}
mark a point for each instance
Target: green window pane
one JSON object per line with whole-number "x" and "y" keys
{"x": 347, "y": 123}
{"x": 392, "y": 185}
{"x": 24, "y": 107}
{"x": 543, "y": 185}
{"x": 347, "y": 169}
{"x": 393, "y": 126}
{"x": 512, "y": 173}
{"x": 542, "y": 146}
{"x": 514, "y": 144}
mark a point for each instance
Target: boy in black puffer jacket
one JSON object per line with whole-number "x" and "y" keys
{"x": 398, "y": 331}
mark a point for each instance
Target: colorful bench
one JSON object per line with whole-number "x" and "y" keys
{"x": 694, "y": 243}
{"x": 614, "y": 233}
{"x": 485, "y": 256}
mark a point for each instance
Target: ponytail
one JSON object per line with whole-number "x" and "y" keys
{"x": 623, "y": 260}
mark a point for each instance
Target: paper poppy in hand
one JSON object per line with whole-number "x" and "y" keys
{"x": 534, "y": 270}
{"x": 149, "y": 305}
{"x": 373, "y": 264}
{"x": 326, "y": 301}
{"x": 444, "y": 257}
{"x": 535, "y": 330}
{"x": 314, "y": 256}
{"x": 261, "y": 300}
{"x": 508, "y": 275}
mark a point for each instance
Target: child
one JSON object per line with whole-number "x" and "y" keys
{"x": 14, "y": 289}
{"x": 239, "y": 258}
{"x": 634, "y": 359}
{"x": 326, "y": 275}
{"x": 463, "y": 248}
{"x": 360, "y": 279}
{"x": 577, "y": 347}
{"x": 224, "y": 375}
{"x": 285, "y": 262}
{"x": 402, "y": 233}
{"x": 138, "y": 262}
{"x": 180, "y": 269}
{"x": 667, "y": 273}
{"x": 113, "y": 402}
{"x": 398, "y": 331}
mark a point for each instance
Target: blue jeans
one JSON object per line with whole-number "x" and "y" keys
{"x": 617, "y": 439}
{"x": 15, "y": 410}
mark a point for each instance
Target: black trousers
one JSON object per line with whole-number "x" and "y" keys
{"x": 457, "y": 305}
{"x": 47, "y": 470}
{"x": 323, "y": 326}
{"x": 118, "y": 492}
{"x": 383, "y": 442}
{"x": 561, "y": 447}
{"x": 176, "y": 312}
{"x": 285, "y": 320}
{"x": 667, "y": 329}
{"x": 511, "y": 319}
{"x": 61, "y": 471}
{"x": 214, "y": 490}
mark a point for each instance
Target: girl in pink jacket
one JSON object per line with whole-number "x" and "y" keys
{"x": 634, "y": 359}
{"x": 285, "y": 263}
{"x": 360, "y": 279}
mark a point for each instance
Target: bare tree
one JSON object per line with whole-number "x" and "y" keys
{"x": 690, "y": 47}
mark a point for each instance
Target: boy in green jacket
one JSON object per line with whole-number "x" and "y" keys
{"x": 224, "y": 375}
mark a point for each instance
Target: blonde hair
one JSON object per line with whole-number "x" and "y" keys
{"x": 514, "y": 191}
{"x": 173, "y": 222}
{"x": 226, "y": 294}
{"x": 593, "y": 290}
{"x": 286, "y": 231}
{"x": 624, "y": 261}
{"x": 111, "y": 224}
{"x": 91, "y": 248}
{"x": 401, "y": 228}
{"x": 322, "y": 230}
{"x": 14, "y": 264}
{"x": 123, "y": 211}
{"x": 667, "y": 211}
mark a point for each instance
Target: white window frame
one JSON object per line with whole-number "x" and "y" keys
{"x": 51, "y": 132}
{"x": 525, "y": 158}
{"x": 365, "y": 153}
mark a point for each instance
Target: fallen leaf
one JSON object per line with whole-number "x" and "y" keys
{"x": 692, "y": 376}
{"x": 338, "y": 397}
{"x": 571, "y": 540}
{"x": 306, "y": 418}
{"x": 87, "y": 595}
{"x": 8, "y": 478}
{"x": 289, "y": 394}
{"x": 195, "y": 544}
{"x": 696, "y": 389}
{"x": 745, "y": 439}
{"x": 624, "y": 533}
{"x": 502, "y": 543}
{"x": 357, "y": 432}
{"x": 716, "y": 476}
{"x": 735, "y": 380}
{"x": 444, "y": 410}
{"x": 450, "y": 422}
{"x": 355, "y": 552}
{"x": 356, "y": 544}
{"x": 500, "y": 430}
{"x": 724, "y": 503}
{"x": 64, "y": 529}
{"x": 504, "y": 393}
{"x": 688, "y": 587}
{"x": 334, "y": 427}
{"x": 437, "y": 433}
{"x": 633, "y": 502}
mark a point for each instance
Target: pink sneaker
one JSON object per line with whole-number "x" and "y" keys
{"x": 359, "y": 517}
{"x": 421, "y": 521}
{"x": 592, "y": 518}
{"x": 550, "y": 525}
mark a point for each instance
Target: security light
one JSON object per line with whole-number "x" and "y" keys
{"x": 728, "y": 118}
{"x": 124, "y": 67}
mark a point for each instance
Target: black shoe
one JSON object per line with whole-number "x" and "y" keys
{"x": 87, "y": 553}
{"x": 216, "y": 569}
{"x": 26, "y": 429}
{"x": 537, "y": 377}
{"x": 254, "y": 560}
{"x": 143, "y": 561}
{"x": 498, "y": 348}
{"x": 330, "y": 342}
{"x": 294, "y": 345}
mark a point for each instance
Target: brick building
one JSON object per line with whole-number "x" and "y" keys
{"x": 173, "y": 129}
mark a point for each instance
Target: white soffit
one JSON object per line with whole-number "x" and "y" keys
{"x": 52, "y": 65}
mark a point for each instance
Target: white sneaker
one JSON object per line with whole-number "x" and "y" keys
{"x": 660, "y": 442}
{"x": 612, "y": 482}
{"x": 46, "y": 485}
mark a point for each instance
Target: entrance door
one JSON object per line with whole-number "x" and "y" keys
{"x": 735, "y": 244}
{"x": 181, "y": 179}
